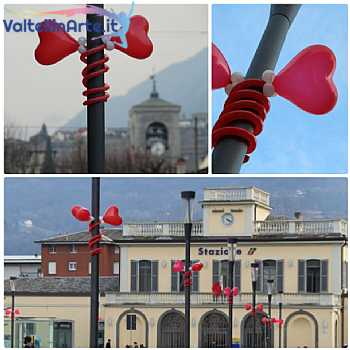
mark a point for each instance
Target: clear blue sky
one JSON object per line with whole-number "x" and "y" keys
{"x": 292, "y": 141}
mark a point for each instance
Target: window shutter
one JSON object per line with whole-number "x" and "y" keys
{"x": 195, "y": 281}
{"x": 345, "y": 274}
{"x": 174, "y": 278}
{"x": 324, "y": 275}
{"x": 154, "y": 283}
{"x": 301, "y": 276}
{"x": 134, "y": 269}
{"x": 259, "y": 276}
{"x": 279, "y": 276}
{"x": 237, "y": 274}
{"x": 216, "y": 275}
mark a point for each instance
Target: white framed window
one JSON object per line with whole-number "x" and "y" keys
{"x": 115, "y": 268}
{"x": 116, "y": 250}
{"x": 72, "y": 266}
{"x": 51, "y": 249}
{"x": 52, "y": 268}
{"x": 73, "y": 249}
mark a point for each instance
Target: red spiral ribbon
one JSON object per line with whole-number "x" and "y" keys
{"x": 246, "y": 103}
{"x": 93, "y": 70}
{"x": 93, "y": 242}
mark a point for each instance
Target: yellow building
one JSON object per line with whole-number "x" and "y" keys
{"x": 307, "y": 260}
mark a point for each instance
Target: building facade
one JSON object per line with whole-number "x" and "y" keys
{"x": 69, "y": 255}
{"x": 306, "y": 259}
{"x": 22, "y": 266}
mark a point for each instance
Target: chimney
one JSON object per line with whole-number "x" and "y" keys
{"x": 298, "y": 215}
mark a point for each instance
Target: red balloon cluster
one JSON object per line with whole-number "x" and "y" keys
{"x": 56, "y": 44}
{"x": 111, "y": 216}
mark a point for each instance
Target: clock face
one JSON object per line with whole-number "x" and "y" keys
{"x": 227, "y": 219}
{"x": 157, "y": 148}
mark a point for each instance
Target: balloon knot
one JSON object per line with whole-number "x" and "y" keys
{"x": 268, "y": 89}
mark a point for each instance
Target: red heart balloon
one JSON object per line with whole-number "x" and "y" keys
{"x": 197, "y": 267}
{"x": 235, "y": 291}
{"x": 54, "y": 45}
{"x": 216, "y": 289}
{"x": 220, "y": 70}
{"x": 307, "y": 80}
{"x": 75, "y": 210}
{"x": 260, "y": 307}
{"x": 247, "y": 306}
{"x": 81, "y": 214}
{"x": 139, "y": 44}
{"x": 178, "y": 266}
{"x": 112, "y": 217}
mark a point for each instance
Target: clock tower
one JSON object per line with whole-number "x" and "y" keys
{"x": 233, "y": 211}
{"x": 154, "y": 127}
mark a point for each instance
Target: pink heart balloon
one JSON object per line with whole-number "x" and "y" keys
{"x": 220, "y": 70}
{"x": 227, "y": 292}
{"x": 307, "y": 80}
{"x": 235, "y": 291}
{"x": 178, "y": 266}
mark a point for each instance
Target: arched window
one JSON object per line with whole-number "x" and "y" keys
{"x": 261, "y": 338}
{"x": 214, "y": 331}
{"x": 171, "y": 330}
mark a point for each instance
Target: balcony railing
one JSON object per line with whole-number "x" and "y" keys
{"x": 237, "y": 194}
{"x": 161, "y": 229}
{"x": 207, "y": 298}
{"x": 301, "y": 227}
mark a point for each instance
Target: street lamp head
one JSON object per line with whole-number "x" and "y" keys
{"x": 254, "y": 271}
{"x": 13, "y": 283}
{"x": 270, "y": 286}
{"x": 188, "y": 196}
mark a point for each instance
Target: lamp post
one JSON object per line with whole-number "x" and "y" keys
{"x": 187, "y": 197}
{"x": 95, "y": 264}
{"x": 254, "y": 273}
{"x": 280, "y": 295}
{"x": 13, "y": 291}
{"x": 269, "y": 299}
{"x": 95, "y": 111}
{"x": 232, "y": 245}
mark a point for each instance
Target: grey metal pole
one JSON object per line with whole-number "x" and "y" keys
{"x": 228, "y": 155}
{"x": 280, "y": 326}
{"x": 269, "y": 333}
{"x": 187, "y": 196}
{"x": 254, "y": 313}
{"x": 95, "y": 111}
{"x": 13, "y": 320}
{"x": 188, "y": 229}
{"x": 94, "y": 303}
